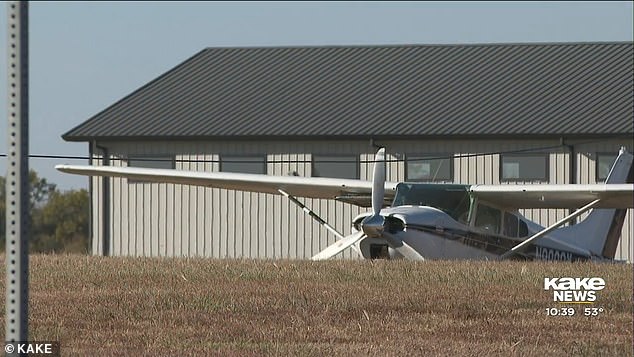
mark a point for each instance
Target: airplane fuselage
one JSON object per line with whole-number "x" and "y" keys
{"x": 434, "y": 234}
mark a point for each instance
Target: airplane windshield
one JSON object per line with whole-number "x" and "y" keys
{"x": 451, "y": 199}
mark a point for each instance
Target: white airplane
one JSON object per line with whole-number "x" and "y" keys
{"x": 440, "y": 221}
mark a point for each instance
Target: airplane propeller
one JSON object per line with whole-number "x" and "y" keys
{"x": 378, "y": 182}
{"x": 373, "y": 226}
{"x": 339, "y": 246}
{"x": 403, "y": 248}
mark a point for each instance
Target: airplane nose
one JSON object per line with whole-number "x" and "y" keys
{"x": 373, "y": 226}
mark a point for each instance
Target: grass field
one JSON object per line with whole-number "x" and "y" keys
{"x": 142, "y": 306}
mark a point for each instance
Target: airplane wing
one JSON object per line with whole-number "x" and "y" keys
{"x": 556, "y": 196}
{"x": 356, "y": 192}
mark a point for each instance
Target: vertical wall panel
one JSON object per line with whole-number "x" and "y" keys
{"x": 189, "y": 192}
{"x": 199, "y": 216}
{"x": 208, "y": 206}
{"x": 170, "y": 212}
{"x": 124, "y": 210}
{"x": 154, "y": 198}
{"x": 217, "y": 223}
{"x": 276, "y": 209}
{"x": 148, "y": 218}
{"x": 97, "y": 204}
{"x": 178, "y": 210}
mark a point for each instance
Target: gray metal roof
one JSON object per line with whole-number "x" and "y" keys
{"x": 381, "y": 91}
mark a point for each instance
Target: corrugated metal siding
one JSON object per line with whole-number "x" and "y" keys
{"x": 500, "y": 89}
{"x": 151, "y": 219}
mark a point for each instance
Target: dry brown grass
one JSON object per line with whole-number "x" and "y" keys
{"x": 141, "y": 306}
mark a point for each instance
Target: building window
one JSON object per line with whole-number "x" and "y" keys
{"x": 604, "y": 164}
{"x": 336, "y": 166}
{"x": 152, "y": 162}
{"x": 246, "y": 164}
{"x": 429, "y": 168}
{"x": 517, "y": 167}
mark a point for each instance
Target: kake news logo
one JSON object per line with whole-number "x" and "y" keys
{"x": 574, "y": 290}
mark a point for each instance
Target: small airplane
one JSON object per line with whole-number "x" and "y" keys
{"x": 439, "y": 221}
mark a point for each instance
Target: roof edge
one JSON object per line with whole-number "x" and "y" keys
{"x": 349, "y": 137}
{"x": 475, "y": 44}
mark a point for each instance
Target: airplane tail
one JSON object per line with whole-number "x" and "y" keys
{"x": 600, "y": 231}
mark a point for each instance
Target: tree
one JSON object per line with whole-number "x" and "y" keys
{"x": 62, "y": 224}
{"x": 39, "y": 189}
{"x": 58, "y": 221}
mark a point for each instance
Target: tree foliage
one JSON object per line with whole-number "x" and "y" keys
{"x": 58, "y": 221}
{"x": 39, "y": 190}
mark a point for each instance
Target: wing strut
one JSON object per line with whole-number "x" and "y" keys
{"x": 518, "y": 248}
{"x": 314, "y": 216}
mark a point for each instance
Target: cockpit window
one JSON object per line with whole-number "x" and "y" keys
{"x": 513, "y": 226}
{"x": 488, "y": 219}
{"x": 451, "y": 199}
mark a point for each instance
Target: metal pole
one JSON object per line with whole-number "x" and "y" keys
{"x": 17, "y": 184}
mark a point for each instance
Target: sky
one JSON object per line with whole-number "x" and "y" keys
{"x": 85, "y": 56}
